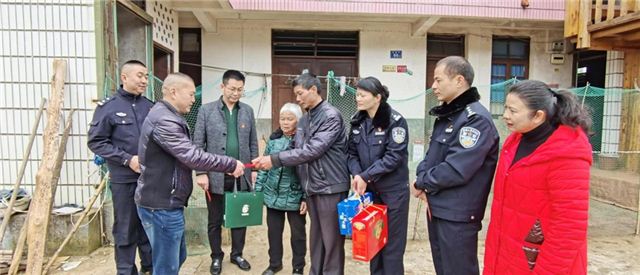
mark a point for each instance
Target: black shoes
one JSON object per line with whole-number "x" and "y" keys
{"x": 297, "y": 271}
{"x": 216, "y": 267}
{"x": 271, "y": 270}
{"x": 241, "y": 263}
{"x": 146, "y": 271}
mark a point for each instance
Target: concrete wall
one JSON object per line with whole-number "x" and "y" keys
{"x": 246, "y": 46}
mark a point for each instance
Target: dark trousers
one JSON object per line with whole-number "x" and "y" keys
{"x": 326, "y": 243}
{"x": 215, "y": 208}
{"x": 454, "y": 246}
{"x": 128, "y": 233}
{"x": 275, "y": 224}
{"x": 389, "y": 260}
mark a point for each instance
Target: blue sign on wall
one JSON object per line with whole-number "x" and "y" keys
{"x": 395, "y": 54}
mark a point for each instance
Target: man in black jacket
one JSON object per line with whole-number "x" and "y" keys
{"x": 320, "y": 154}
{"x": 456, "y": 173}
{"x": 167, "y": 157}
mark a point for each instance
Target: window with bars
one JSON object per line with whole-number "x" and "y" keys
{"x": 315, "y": 43}
{"x": 509, "y": 60}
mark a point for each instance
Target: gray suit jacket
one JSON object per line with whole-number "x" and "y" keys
{"x": 211, "y": 135}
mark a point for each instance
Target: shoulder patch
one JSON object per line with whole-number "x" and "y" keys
{"x": 396, "y": 116}
{"x": 468, "y": 137}
{"x": 470, "y": 111}
{"x": 105, "y": 101}
{"x": 399, "y": 134}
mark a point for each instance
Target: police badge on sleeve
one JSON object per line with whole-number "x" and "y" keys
{"x": 469, "y": 137}
{"x": 398, "y": 134}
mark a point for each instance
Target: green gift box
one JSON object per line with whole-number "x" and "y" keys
{"x": 242, "y": 209}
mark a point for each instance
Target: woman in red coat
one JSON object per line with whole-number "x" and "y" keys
{"x": 541, "y": 195}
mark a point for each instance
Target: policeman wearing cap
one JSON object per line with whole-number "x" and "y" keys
{"x": 113, "y": 135}
{"x": 456, "y": 174}
{"x": 378, "y": 162}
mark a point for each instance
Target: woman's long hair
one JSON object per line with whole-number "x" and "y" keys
{"x": 561, "y": 107}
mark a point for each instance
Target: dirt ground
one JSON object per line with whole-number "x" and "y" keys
{"x": 613, "y": 249}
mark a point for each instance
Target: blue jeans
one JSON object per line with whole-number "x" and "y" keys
{"x": 165, "y": 229}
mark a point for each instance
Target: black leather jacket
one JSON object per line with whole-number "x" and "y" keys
{"x": 319, "y": 151}
{"x": 167, "y": 157}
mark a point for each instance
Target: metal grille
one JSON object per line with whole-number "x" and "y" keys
{"x": 32, "y": 35}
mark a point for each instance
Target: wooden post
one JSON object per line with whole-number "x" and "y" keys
{"x": 611, "y": 9}
{"x": 584, "y": 38}
{"x": 598, "y": 18}
{"x": 40, "y": 208}
{"x": 23, "y": 166}
{"x": 87, "y": 208}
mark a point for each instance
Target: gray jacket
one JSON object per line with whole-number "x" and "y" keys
{"x": 320, "y": 151}
{"x": 211, "y": 134}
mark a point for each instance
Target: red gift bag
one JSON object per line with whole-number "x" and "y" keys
{"x": 369, "y": 232}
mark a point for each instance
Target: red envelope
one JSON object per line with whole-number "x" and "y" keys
{"x": 369, "y": 232}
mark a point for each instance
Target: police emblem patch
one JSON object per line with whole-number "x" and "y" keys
{"x": 469, "y": 137}
{"x": 398, "y": 134}
{"x": 120, "y": 114}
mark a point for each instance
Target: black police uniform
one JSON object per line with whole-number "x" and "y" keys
{"x": 378, "y": 153}
{"x": 113, "y": 135}
{"x": 456, "y": 173}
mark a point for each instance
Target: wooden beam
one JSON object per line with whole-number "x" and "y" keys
{"x": 584, "y": 38}
{"x": 615, "y": 29}
{"x": 611, "y": 9}
{"x": 225, "y": 4}
{"x": 422, "y": 26}
{"x": 598, "y": 11}
{"x": 207, "y": 21}
{"x": 571, "y": 17}
{"x": 40, "y": 208}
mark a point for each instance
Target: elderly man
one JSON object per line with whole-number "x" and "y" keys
{"x": 167, "y": 157}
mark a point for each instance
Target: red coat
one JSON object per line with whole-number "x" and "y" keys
{"x": 550, "y": 185}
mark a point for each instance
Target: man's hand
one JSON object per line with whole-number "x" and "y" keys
{"x": 262, "y": 163}
{"x": 203, "y": 181}
{"x": 303, "y": 208}
{"x": 134, "y": 164}
{"x": 359, "y": 185}
{"x": 239, "y": 169}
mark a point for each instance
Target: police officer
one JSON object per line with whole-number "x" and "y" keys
{"x": 456, "y": 174}
{"x": 378, "y": 162}
{"x": 113, "y": 135}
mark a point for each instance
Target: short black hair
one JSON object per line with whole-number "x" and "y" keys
{"x": 307, "y": 80}
{"x": 232, "y": 74}
{"x": 134, "y": 62}
{"x": 457, "y": 65}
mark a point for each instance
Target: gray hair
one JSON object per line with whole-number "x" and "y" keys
{"x": 293, "y": 108}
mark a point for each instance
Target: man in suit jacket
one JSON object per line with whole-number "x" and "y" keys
{"x": 226, "y": 127}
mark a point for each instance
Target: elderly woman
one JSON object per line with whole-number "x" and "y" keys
{"x": 283, "y": 195}
{"x": 539, "y": 214}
